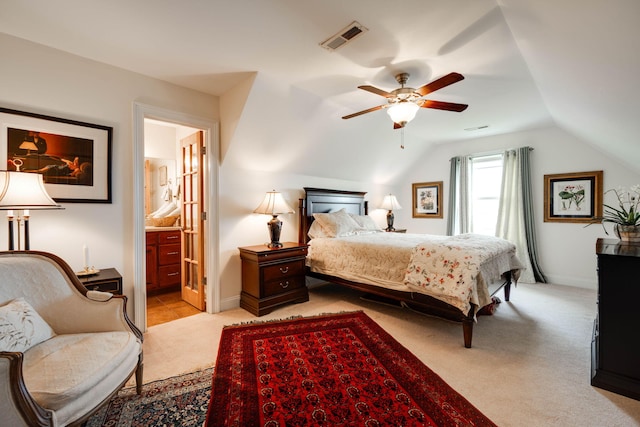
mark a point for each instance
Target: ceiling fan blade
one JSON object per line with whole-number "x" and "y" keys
{"x": 364, "y": 111}
{"x": 447, "y": 80}
{"x": 448, "y": 106}
{"x": 376, "y": 91}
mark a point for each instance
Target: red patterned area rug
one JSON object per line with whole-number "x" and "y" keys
{"x": 330, "y": 370}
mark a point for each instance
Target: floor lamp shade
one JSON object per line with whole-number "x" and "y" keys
{"x": 390, "y": 203}
{"x": 22, "y": 192}
{"x": 274, "y": 204}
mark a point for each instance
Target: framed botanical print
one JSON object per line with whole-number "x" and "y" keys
{"x": 573, "y": 197}
{"x": 427, "y": 199}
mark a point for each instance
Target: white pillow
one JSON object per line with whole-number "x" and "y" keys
{"x": 365, "y": 222}
{"x": 316, "y": 231}
{"x": 337, "y": 224}
{"x": 21, "y": 327}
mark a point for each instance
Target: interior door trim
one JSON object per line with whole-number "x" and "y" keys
{"x": 212, "y": 254}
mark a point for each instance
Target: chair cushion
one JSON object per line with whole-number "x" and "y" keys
{"x": 21, "y": 327}
{"x": 71, "y": 373}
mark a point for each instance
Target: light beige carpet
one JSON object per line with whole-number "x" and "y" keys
{"x": 529, "y": 366}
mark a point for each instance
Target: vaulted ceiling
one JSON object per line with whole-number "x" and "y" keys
{"x": 527, "y": 64}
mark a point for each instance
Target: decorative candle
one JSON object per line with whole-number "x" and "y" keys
{"x": 85, "y": 250}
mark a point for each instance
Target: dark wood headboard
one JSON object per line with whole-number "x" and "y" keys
{"x": 322, "y": 200}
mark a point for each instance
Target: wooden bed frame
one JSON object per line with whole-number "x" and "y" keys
{"x": 318, "y": 200}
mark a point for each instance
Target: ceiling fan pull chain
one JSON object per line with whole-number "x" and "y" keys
{"x": 402, "y": 138}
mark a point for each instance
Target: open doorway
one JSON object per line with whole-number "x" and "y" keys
{"x": 160, "y": 195}
{"x": 168, "y": 225}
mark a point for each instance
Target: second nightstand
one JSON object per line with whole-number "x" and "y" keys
{"x": 106, "y": 280}
{"x": 272, "y": 277}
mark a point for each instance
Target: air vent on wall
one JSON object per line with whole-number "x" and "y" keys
{"x": 344, "y": 36}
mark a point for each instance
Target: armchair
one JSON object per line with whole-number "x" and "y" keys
{"x": 64, "y": 350}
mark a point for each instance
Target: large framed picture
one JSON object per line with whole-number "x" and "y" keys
{"x": 573, "y": 197}
{"x": 73, "y": 157}
{"x": 427, "y": 199}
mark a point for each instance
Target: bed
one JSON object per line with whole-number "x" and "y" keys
{"x": 401, "y": 268}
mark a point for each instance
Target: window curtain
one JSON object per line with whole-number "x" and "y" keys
{"x": 458, "y": 214}
{"x": 516, "y": 216}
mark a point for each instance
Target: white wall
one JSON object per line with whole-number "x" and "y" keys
{"x": 42, "y": 80}
{"x": 566, "y": 250}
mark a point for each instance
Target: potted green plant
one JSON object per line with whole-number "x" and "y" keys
{"x": 625, "y": 215}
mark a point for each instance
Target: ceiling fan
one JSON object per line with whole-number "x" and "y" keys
{"x": 404, "y": 102}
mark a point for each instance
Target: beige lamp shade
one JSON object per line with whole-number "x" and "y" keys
{"x": 390, "y": 203}
{"x": 28, "y": 145}
{"x": 24, "y": 190}
{"x": 273, "y": 204}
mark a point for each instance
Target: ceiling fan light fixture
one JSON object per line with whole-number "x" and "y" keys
{"x": 403, "y": 112}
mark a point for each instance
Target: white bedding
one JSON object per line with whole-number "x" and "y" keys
{"x": 454, "y": 269}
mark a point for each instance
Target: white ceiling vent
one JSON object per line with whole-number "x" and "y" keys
{"x": 344, "y": 36}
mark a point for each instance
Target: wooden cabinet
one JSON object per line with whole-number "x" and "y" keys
{"x": 272, "y": 277}
{"x": 106, "y": 280}
{"x": 163, "y": 259}
{"x": 615, "y": 349}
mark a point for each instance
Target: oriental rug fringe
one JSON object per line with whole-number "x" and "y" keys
{"x": 176, "y": 401}
{"x": 328, "y": 370}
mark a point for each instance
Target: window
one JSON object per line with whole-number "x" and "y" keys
{"x": 486, "y": 182}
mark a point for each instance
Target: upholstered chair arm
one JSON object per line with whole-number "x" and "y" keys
{"x": 16, "y": 404}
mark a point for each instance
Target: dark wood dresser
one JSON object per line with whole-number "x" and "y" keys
{"x": 615, "y": 348}
{"x": 272, "y": 277}
{"x": 163, "y": 259}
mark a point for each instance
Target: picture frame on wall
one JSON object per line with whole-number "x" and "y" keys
{"x": 73, "y": 157}
{"x": 573, "y": 197}
{"x": 162, "y": 170}
{"x": 427, "y": 199}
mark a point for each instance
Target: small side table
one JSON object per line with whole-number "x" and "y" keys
{"x": 272, "y": 277}
{"x": 107, "y": 280}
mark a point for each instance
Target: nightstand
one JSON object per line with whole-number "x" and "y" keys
{"x": 106, "y": 280}
{"x": 272, "y": 277}
{"x": 397, "y": 230}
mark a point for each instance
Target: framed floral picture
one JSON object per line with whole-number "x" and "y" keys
{"x": 427, "y": 199}
{"x": 573, "y": 197}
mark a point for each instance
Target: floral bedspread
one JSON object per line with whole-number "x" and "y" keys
{"x": 429, "y": 264}
{"x": 455, "y": 270}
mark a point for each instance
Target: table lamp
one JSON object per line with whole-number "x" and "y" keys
{"x": 29, "y": 146}
{"x": 390, "y": 203}
{"x": 273, "y": 204}
{"x": 21, "y": 192}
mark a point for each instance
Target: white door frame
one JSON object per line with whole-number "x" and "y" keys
{"x": 212, "y": 248}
